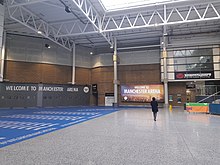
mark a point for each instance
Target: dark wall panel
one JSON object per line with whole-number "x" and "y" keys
{"x": 67, "y": 95}
{"x": 177, "y": 89}
{"x": 43, "y": 95}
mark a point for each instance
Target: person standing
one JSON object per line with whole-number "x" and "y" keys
{"x": 154, "y": 106}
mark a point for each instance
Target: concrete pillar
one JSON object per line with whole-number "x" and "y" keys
{"x": 165, "y": 76}
{"x": 2, "y": 42}
{"x": 73, "y": 63}
{"x": 115, "y": 60}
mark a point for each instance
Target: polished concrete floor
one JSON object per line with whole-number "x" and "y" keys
{"x": 126, "y": 137}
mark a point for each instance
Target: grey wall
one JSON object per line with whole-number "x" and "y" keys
{"x": 32, "y": 49}
{"x": 128, "y": 58}
{"x": 202, "y": 39}
{"x": 83, "y": 57}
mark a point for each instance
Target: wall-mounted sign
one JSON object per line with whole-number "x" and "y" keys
{"x": 44, "y": 88}
{"x": 190, "y": 85}
{"x": 109, "y": 99}
{"x": 142, "y": 93}
{"x": 86, "y": 89}
{"x": 194, "y": 75}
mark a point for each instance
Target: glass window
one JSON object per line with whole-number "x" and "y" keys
{"x": 180, "y": 61}
{"x": 193, "y": 60}
{"x": 179, "y": 68}
{"x": 193, "y": 52}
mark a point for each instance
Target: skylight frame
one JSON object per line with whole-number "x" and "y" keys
{"x": 137, "y": 5}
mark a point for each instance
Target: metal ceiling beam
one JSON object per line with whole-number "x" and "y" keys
{"x": 91, "y": 14}
{"x": 74, "y": 28}
{"x": 105, "y": 25}
{"x": 16, "y": 3}
{"x": 30, "y": 20}
{"x": 57, "y": 6}
{"x": 162, "y": 17}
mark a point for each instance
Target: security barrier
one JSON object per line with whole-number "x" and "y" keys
{"x": 214, "y": 109}
{"x": 197, "y": 107}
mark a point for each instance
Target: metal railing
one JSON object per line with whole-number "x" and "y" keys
{"x": 209, "y": 97}
{"x": 207, "y": 90}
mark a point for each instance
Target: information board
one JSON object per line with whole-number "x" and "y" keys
{"x": 142, "y": 93}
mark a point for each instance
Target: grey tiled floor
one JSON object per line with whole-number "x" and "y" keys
{"x": 126, "y": 137}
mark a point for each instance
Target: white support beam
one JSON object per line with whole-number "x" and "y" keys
{"x": 174, "y": 15}
{"x": 105, "y": 25}
{"x": 91, "y": 14}
{"x": 74, "y": 28}
{"x": 33, "y": 22}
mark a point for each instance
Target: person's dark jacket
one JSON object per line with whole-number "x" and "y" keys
{"x": 154, "y": 106}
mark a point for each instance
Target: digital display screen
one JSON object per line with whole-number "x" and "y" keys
{"x": 142, "y": 93}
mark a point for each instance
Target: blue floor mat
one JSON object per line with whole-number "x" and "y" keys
{"x": 22, "y": 124}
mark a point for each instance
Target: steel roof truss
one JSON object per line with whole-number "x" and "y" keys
{"x": 28, "y": 19}
{"x": 74, "y": 28}
{"x": 91, "y": 14}
{"x": 86, "y": 8}
{"x": 16, "y": 3}
{"x": 216, "y": 12}
{"x": 162, "y": 17}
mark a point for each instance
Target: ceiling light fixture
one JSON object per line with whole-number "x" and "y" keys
{"x": 47, "y": 46}
{"x": 67, "y": 9}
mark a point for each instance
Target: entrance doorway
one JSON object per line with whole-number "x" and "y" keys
{"x": 190, "y": 95}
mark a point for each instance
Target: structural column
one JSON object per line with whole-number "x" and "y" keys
{"x": 73, "y": 63}
{"x": 2, "y": 42}
{"x": 165, "y": 77}
{"x": 115, "y": 60}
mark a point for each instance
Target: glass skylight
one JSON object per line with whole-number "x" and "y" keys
{"x": 123, "y": 4}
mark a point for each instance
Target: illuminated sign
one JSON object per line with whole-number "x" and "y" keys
{"x": 142, "y": 93}
{"x": 194, "y": 75}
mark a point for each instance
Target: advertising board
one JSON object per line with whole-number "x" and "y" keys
{"x": 142, "y": 93}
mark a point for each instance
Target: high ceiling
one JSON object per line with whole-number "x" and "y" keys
{"x": 88, "y": 23}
